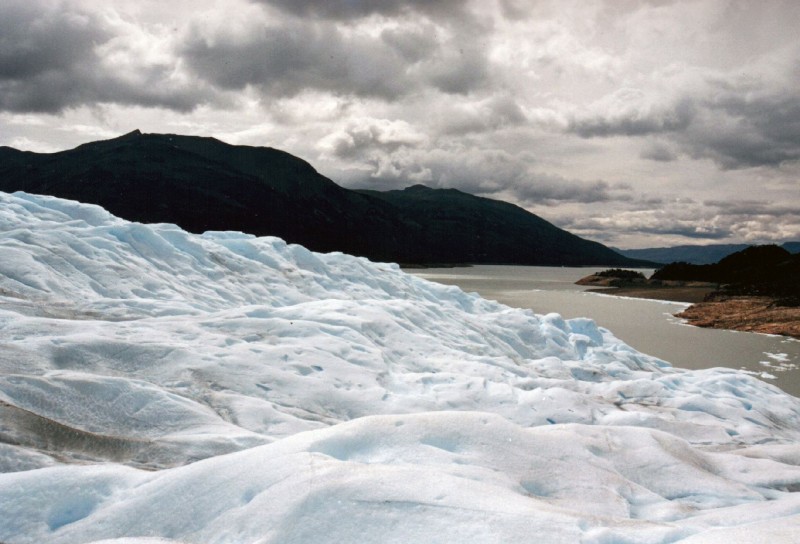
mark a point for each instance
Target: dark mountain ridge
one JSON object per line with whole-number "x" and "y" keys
{"x": 202, "y": 183}
{"x": 767, "y": 270}
{"x": 459, "y": 227}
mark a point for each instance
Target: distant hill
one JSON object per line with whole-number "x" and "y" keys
{"x": 758, "y": 270}
{"x": 694, "y": 254}
{"x": 791, "y": 247}
{"x": 205, "y": 184}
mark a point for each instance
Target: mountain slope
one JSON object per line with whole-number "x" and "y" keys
{"x": 457, "y": 226}
{"x": 204, "y": 184}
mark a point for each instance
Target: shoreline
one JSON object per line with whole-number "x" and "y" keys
{"x": 745, "y": 313}
{"x": 709, "y": 308}
{"x": 690, "y": 295}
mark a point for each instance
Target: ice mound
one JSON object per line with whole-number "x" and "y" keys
{"x": 433, "y": 477}
{"x": 122, "y": 419}
{"x": 332, "y": 399}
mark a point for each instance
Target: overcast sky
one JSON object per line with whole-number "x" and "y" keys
{"x": 634, "y": 123}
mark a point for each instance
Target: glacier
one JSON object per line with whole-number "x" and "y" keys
{"x": 158, "y": 386}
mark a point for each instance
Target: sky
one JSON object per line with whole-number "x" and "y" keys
{"x": 633, "y": 123}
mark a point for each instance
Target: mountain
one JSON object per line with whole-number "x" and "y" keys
{"x": 204, "y": 184}
{"x": 694, "y": 254}
{"x": 459, "y": 227}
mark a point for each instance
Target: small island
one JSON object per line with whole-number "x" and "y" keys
{"x": 754, "y": 290}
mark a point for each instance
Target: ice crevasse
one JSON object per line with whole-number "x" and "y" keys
{"x": 162, "y": 386}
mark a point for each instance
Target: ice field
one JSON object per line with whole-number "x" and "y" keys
{"x": 162, "y": 387}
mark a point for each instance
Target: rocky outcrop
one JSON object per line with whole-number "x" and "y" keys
{"x": 744, "y": 313}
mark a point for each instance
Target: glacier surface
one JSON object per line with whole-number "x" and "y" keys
{"x": 158, "y": 386}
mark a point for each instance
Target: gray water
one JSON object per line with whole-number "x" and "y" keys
{"x": 647, "y": 325}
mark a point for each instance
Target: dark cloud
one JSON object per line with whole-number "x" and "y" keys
{"x": 551, "y": 190}
{"x": 458, "y": 71}
{"x": 34, "y": 41}
{"x": 355, "y": 9}
{"x": 690, "y": 231}
{"x": 413, "y": 44}
{"x": 49, "y": 61}
{"x": 745, "y": 129}
{"x": 287, "y": 59}
{"x": 514, "y": 9}
{"x": 44, "y": 56}
{"x": 59, "y": 56}
{"x": 737, "y": 122}
{"x": 293, "y": 56}
{"x": 497, "y": 112}
{"x": 657, "y": 151}
{"x": 634, "y": 121}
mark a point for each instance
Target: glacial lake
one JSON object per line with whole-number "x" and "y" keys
{"x": 647, "y": 325}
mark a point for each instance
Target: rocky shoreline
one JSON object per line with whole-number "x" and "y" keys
{"x": 710, "y": 308}
{"x": 745, "y": 313}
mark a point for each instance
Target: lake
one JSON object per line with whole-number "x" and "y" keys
{"x": 647, "y": 325}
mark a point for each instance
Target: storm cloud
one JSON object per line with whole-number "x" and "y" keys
{"x": 294, "y": 55}
{"x": 746, "y": 129}
{"x": 627, "y": 115}
{"x": 58, "y": 56}
{"x": 46, "y": 56}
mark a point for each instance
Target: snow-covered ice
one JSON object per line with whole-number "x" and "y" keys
{"x": 161, "y": 387}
